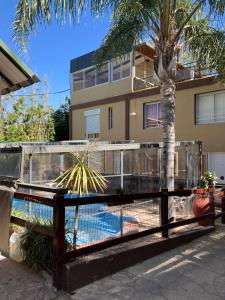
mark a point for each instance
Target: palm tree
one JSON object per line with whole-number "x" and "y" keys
{"x": 170, "y": 25}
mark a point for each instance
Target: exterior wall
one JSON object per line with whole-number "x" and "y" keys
{"x": 210, "y": 134}
{"x": 98, "y": 92}
{"x": 116, "y": 133}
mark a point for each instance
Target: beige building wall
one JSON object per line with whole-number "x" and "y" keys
{"x": 116, "y": 133}
{"x": 102, "y": 91}
{"x": 212, "y": 135}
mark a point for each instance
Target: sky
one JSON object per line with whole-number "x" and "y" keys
{"x": 52, "y": 47}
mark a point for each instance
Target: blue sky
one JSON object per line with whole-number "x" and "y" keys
{"x": 52, "y": 47}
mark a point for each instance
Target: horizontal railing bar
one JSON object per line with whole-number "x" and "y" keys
{"x": 180, "y": 193}
{"x": 34, "y": 227}
{"x": 221, "y": 214}
{"x": 127, "y": 238}
{"x": 117, "y": 199}
{"x": 122, "y": 199}
{"x": 43, "y": 188}
{"x": 35, "y": 199}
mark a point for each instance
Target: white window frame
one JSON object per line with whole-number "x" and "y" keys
{"x": 86, "y": 69}
{"x": 213, "y": 119}
{"x": 121, "y": 78}
{"x": 89, "y": 113}
{"x": 144, "y": 114}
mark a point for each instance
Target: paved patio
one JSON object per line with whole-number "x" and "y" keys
{"x": 195, "y": 271}
{"x": 191, "y": 272}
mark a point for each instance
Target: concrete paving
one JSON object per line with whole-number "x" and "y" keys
{"x": 191, "y": 272}
{"x": 195, "y": 271}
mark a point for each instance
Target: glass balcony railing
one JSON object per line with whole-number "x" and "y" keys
{"x": 188, "y": 72}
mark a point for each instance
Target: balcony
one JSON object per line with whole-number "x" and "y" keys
{"x": 187, "y": 72}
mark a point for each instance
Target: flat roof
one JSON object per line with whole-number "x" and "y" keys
{"x": 14, "y": 74}
{"x": 87, "y": 60}
{"x": 81, "y": 145}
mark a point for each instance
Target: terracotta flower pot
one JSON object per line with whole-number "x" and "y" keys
{"x": 201, "y": 206}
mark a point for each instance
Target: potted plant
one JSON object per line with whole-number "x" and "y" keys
{"x": 201, "y": 203}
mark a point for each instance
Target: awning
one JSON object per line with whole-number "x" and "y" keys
{"x": 14, "y": 74}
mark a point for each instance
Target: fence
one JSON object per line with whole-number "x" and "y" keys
{"x": 129, "y": 212}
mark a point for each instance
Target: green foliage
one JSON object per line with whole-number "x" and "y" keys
{"x": 26, "y": 119}
{"x": 80, "y": 177}
{"x": 61, "y": 121}
{"x": 207, "y": 180}
{"x": 37, "y": 248}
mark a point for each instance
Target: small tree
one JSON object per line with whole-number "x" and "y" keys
{"x": 27, "y": 119}
{"x": 61, "y": 121}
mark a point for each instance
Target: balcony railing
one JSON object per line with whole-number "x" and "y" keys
{"x": 189, "y": 72}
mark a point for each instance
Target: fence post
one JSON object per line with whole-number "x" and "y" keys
{"x": 58, "y": 241}
{"x": 212, "y": 206}
{"x": 164, "y": 212}
{"x": 223, "y": 209}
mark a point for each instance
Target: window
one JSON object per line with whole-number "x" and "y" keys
{"x": 110, "y": 118}
{"x": 121, "y": 68}
{"x": 152, "y": 115}
{"x": 89, "y": 77}
{"x": 102, "y": 75}
{"x": 210, "y": 108}
{"x": 92, "y": 123}
{"x": 78, "y": 79}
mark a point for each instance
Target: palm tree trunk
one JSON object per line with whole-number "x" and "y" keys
{"x": 167, "y": 90}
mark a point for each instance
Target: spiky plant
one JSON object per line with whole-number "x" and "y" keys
{"x": 80, "y": 178}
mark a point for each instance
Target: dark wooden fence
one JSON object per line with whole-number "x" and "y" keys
{"x": 59, "y": 203}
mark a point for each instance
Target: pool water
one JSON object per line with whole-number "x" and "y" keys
{"x": 95, "y": 222}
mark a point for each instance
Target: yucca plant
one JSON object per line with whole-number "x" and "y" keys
{"x": 80, "y": 178}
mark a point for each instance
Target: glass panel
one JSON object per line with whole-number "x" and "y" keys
{"x": 220, "y": 107}
{"x": 205, "y": 108}
{"x": 103, "y": 74}
{"x": 90, "y": 77}
{"x": 126, "y": 69}
{"x": 78, "y": 81}
{"x": 139, "y": 66}
{"x": 116, "y": 72}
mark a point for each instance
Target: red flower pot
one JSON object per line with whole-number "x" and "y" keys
{"x": 201, "y": 206}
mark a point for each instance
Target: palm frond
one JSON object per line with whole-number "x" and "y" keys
{"x": 207, "y": 46}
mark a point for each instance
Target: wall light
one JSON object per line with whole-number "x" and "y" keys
{"x": 132, "y": 114}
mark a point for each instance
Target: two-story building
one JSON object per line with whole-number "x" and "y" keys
{"x": 121, "y": 101}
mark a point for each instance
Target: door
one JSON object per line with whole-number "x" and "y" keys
{"x": 216, "y": 163}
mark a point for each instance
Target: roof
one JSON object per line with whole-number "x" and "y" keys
{"x": 87, "y": 60}
{"x": 14, "y": 74}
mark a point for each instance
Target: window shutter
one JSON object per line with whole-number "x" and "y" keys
{"x": 220, "y": 107}
{"x": 205, "y": 108}
{"x": 92, "y": 121}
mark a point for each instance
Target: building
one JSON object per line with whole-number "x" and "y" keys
{"x": 121, "y": 101}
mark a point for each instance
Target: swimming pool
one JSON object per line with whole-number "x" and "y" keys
{"x": 95, "y": 221}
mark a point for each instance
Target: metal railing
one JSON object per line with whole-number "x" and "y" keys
{"x": 124, "y": 207}
{"x": 188, "y": 72}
